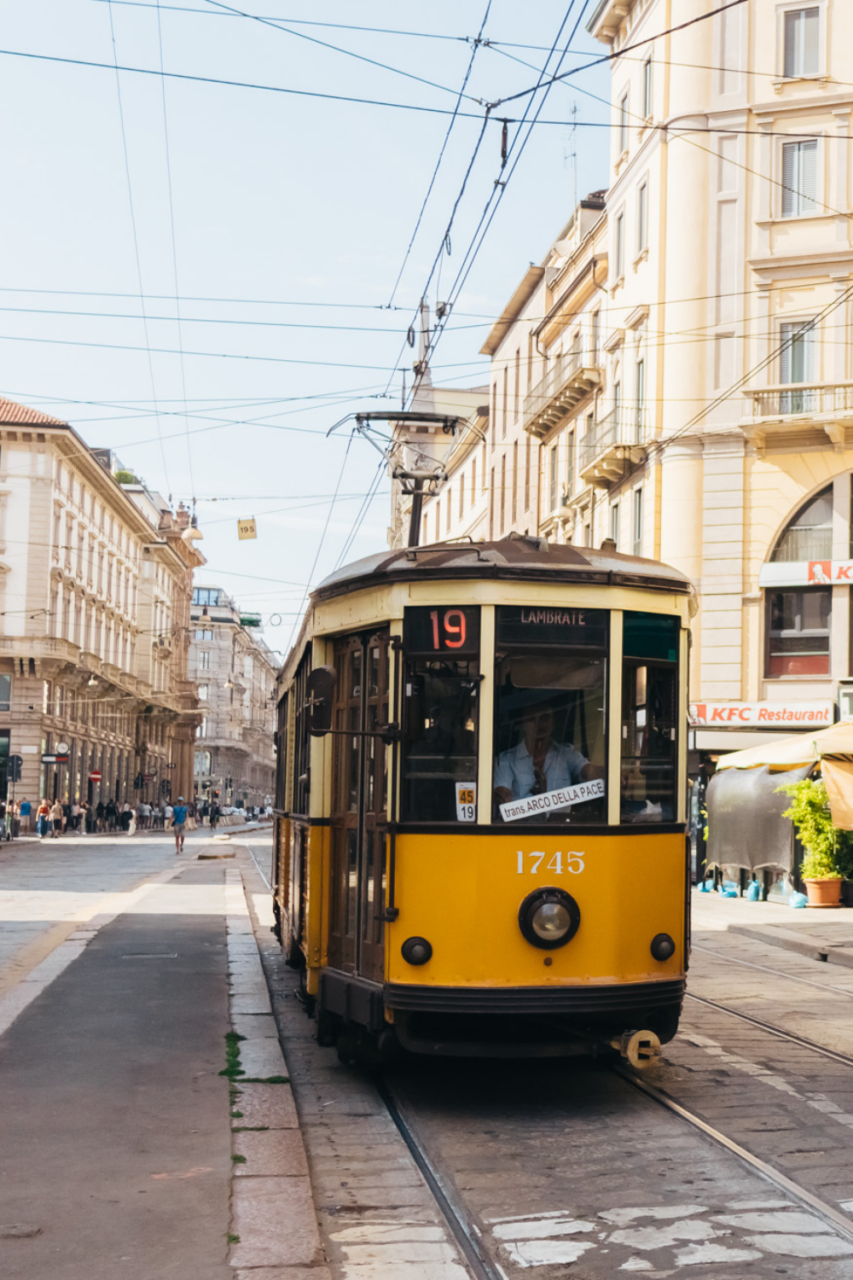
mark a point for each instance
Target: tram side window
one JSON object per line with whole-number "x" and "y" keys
{"x": 281, "y": 759}
{"x": 550, "y": 715}
{"x": 301, "y": 739}
{"x": 649, "y": 771}
{"x": 440, "y": 724}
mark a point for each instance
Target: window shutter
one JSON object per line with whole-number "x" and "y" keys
{"x": 809, "y": 341}
{"x": 810, "y": 31}
{"x": 808, "y": 176}
{"x": 791, "y": 24}
{"x": 789, "y": 178}
{"x": 785, "y": 332}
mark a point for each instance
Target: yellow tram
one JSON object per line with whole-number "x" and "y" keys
{"x": 480, "y": 812}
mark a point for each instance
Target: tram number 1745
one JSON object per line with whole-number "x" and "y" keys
{"x": 573, "y": 864}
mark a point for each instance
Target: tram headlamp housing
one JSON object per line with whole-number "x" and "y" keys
{"x": 663, "y": 947}
{"x": 549, "y": 918}
{"x": 416, "y": 950}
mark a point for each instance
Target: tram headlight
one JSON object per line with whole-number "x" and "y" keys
{"x": 663, "y": 947}
{"x": 416, "y": 950}
{"x": 549, "y": 918}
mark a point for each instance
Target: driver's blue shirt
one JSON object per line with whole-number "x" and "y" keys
{"x": 563, "y": 767}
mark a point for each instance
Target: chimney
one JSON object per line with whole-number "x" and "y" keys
{"x": 182, "y": 516}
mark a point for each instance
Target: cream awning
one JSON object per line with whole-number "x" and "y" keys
{"x": 795, "y": 749}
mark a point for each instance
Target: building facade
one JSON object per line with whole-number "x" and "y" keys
{"x": 729, "y": 230}
{"x": 96, "y": 585}
{"x": 235, "y": 674}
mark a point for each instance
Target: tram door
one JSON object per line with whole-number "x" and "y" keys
{"x": 358, "y": 806}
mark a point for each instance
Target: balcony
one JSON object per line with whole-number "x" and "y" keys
{"x": 571, "y": 377}
{"x": 799, "y": 413}
{"x": 614, "y": 444}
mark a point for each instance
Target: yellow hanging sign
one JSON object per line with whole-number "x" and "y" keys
{"x": 247, "y": 529}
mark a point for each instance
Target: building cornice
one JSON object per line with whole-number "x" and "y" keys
{"x": 511, "y": 312}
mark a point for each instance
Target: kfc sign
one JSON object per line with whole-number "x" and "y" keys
{"x": 804, "y": 573}
{"x": 762, "y": 715}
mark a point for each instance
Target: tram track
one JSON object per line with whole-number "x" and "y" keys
{"x": 833, "y": 1054}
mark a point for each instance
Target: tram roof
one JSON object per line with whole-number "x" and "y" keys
{"x": 529, "y": 558}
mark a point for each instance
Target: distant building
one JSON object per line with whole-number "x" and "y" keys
{"x": 95, "y": 583}
{"x": 235, "y": 673}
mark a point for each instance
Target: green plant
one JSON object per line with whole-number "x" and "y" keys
{"x": 232, "y": 1057}
{"x": 825, "y": 856}
{"x": 126, "y": 477}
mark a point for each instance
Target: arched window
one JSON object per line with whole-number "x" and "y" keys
{"x": 809, "y": 535}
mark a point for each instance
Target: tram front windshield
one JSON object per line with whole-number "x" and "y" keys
{"x": 550, "y": 727}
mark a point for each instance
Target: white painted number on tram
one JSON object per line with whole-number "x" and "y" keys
{"x": 571, "y": 862}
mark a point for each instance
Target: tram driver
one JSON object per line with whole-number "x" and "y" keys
{"x": 538, "y": 763}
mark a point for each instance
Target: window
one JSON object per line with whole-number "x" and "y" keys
{"x": 620, "y": 246}
{"x": 623, "y": 123}
{"x": 553, "y": 479}
{"x": 570, "y": 468}
{"x": 798, "y": 632}
{"x": 809, "y": 535}
{"x": 614, "y": 523}
{"x": 643, "y": 218}
{"x": 596, "y": 337}
{"x": 797, "y": 364}
{"x": 516, "y": 391}
{"x": 505, "y": 401}
{"x": 204, "y": 660}
{"x": 647, "y": 88}
{"x": 206, "y": 596}
{"x": 802, "y": 32}
{"x": 503, "y": 492}
{"x": 448, "y": 511}
{"x": 203, "y": 691}
{"x": 649, "y": 717}
{"x": 527, "y": 477}
{"x": 204, "y": 635}
{"x": 638, "y": 521}
{"x": 641, "y": 402}
{"x": 515, "y": 481}
{"x": 799, "y": 178}
{"x": 473, "y": 482}
{"x": 550, "y": 695}
{"x": 440, "y": 718}
{"x": 201, "y": 731}
{"x": 461, "y": 496}
{"x": 438, "y": 522}
{"x": 5, "y": 693}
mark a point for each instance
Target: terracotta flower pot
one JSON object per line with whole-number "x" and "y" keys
{"x": 824, "y": 893}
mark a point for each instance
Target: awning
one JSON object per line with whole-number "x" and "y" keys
{"x": 795, "y": 749}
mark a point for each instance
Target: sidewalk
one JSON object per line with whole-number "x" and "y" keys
{"x": 135, "y": 1142}
{"x": 821, "y": 935}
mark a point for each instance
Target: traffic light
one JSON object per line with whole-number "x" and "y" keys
{"x": 14, "y": 768}
{"x": 216, "y": 795}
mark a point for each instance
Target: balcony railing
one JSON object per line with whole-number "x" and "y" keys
{"x": 612, "y": 444}
{"x": 571, "y": 377}
{"x": 787, "y": 400}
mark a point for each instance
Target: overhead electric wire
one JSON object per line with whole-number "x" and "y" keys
{"x": 322, "y": 538}
{"x": 222, "y": 320}
{"x": 419, "y": 220}
{"x": 350, "y": 53}
{"x": 147, "y": 347}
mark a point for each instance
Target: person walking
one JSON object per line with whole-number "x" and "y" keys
{"x": 4, "y": 825}
{"x": 110, "y": 814}
{"x": 75, "y": 815}
{"x": 125, "y": 817}
{"x": 25, "y": 811}
{"x": 179, "y": 824}
{"x": 168, "y": 815}
{"x": 214, "y": 815}
{"x": 99, "y": 816}
{"x": 43, "y": 819}
{"x": 56, "y": 817}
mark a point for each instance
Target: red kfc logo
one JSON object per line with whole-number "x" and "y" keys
{"x": 820, "y": 571}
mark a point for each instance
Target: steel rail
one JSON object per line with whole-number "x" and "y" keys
{"x": 844, "y": 1059}
{"x": 830, "y": 1215}
{"x": 464, "y": 1231}
{"x": 777, "y": 973}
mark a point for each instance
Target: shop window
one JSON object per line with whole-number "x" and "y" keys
{"x": 5, "y": 693}
{"x": 798, "y": 632}
{"x": 809, "y": 535}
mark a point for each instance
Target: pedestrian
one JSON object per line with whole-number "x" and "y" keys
{"x": 84, "y": 820}
{"x": 205, "y": 810}
{"x": 56, "y": 818}
{"x": 214, "y": 815}
{"x": 168, "y": 815}
{"x": 4, "y": 826}
{"x": 131, "y": 828}
{"x": 66, "y": 816}
{"x": 99, "y": 816}
{"x": 88, "y": 818}
{"x": 25, "y": 811}
{"x": 75, "y": 815}
{"x": 179, "y": 824}
{"x": 110, "y": 814}
{"x": 43, "y": 819}
{"x": 124, "y": 817}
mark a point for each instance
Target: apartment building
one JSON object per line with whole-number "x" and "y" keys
{"x": 730, "y": 158}
{"x": 95, "y": 584}
{"x": 235, "y": 673}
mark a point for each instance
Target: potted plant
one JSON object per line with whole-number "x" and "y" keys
{"x": 821, "y": 867}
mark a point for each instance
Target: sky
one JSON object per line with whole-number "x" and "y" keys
{"x": 207, "y": 277}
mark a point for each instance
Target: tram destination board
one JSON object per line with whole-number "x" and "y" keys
{"x": 550, "y": 625}
{"x": 445, "y": 629}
